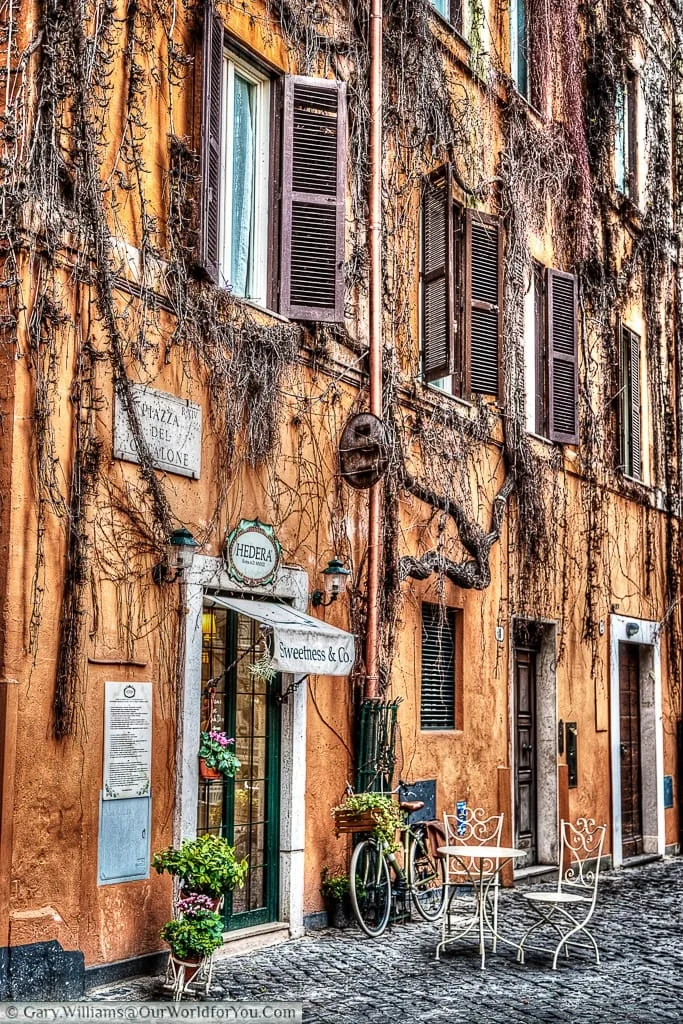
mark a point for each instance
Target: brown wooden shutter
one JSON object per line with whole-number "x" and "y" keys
{"x": 313, "y": 199}
{"x": 437, "y": 689}
{"x": 484, "y": 282}
{"x": 212, "y": 78}
{"x": 438, "y": 311}
{"x": 629, "y": 403}
{"x": 637, "y": 467}
{"x": 456, "y": 15}
{"x": 562, "y": 356}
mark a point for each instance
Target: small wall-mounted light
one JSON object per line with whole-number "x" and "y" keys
{"x": 179, "y": 557}
{"x": 632, "y": 628}
{"x": 335, "y": 580}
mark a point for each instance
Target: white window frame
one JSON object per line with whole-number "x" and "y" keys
{"x": 256, "y": 290}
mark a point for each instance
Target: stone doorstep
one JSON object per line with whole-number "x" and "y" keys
{"x": 640, "y": 859}
{"x": 246, "y": 940}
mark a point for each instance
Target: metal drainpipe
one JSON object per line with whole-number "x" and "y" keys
{"x": 375, "y": 384}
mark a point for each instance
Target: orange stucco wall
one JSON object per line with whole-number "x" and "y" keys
{"x": 52, "y": 789}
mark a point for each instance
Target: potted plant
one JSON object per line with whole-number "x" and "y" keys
{"x": 196, "y": 933}
{"x": 215, "y": 756}
{"x": 334, "y": 889}
{"x": 205, "y": 865}
{"x": 370, "y": 812}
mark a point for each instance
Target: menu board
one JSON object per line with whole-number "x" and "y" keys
{"x": 127, "y": 740}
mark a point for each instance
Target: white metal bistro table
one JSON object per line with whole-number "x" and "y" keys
{"x": 482, "y": 866}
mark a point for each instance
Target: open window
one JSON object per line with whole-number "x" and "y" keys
{"x": 462, "y": 291}
{"x": 550, "y": 355}
{"x": 626, "y": 137}
{"x": 273, "y": 155}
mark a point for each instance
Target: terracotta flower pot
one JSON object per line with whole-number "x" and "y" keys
{"x": 206, "y": 773}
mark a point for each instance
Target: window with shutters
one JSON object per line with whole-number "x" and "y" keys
{"x": 244, "y": 175}
{"x": 462, "y": 292}
{"x": 626, "y": 138}
{"x": 630, "y": 462}
{"x": 536, "y": 354}
{"x": 451, "y": 11}
{"x": 273, "y": 183}
{"x": 519, "y": 47}
{"x": 438, "y": 703}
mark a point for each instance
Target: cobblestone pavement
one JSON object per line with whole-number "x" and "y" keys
{"x": 342, "y": 977}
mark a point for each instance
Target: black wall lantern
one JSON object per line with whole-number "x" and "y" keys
{"x": 180, "y": 552}
{"x": 335, "y": 581}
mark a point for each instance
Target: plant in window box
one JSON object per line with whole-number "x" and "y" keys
{"x": 334, "y": 889}
{"x": 206, "y": 865}
{"x": 216, "y": 759}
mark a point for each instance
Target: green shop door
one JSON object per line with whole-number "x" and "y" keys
{"x": 236, "y": 698}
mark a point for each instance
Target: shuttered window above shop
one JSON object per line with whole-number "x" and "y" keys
{"x": 273, "y": 156}
{"x": 630, "y": 458}
{"x": 438, "y": 682}
{"x": 462, "y": 289}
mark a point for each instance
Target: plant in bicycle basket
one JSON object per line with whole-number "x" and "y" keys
{"x": 386, "y": 813}
{"x": 214, "y": 749}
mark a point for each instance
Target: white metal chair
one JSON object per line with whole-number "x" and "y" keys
{"x": 569, "y": 908}
{"x": 474, "y": 828}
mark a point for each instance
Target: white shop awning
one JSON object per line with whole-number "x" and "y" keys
{"x": 301, "y": 644}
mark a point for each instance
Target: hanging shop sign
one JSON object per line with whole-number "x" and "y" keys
{"x": 127, "y": 740}
{"x": 300, "y": 643}
{"x": 171, "y": 427}
{"x": 252, "y": 552}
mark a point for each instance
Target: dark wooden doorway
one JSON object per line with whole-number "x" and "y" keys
{"x": 629, "y": 739}
{"x": 525, "y": 755}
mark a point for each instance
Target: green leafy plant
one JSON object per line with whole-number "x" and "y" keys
{"x": 214, "y": 748}
{"x": 387, "y": 814}
{"x": 334, "y": 885}
{"x": 206, "y": 865}
{"x": 195, "y": 935}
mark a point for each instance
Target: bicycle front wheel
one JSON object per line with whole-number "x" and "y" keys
{"x": 426, "y": 881}
{"x": 370, "y": 887}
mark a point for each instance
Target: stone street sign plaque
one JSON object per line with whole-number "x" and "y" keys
{"x": 172, "y": 428}
{"x": 127, "y": 740}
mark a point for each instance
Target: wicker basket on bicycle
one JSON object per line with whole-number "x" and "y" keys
{"x": 355, "y": 821}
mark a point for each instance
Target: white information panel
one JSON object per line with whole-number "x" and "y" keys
{"x": 172, "y": 428}
{"x": 127, "y": 740}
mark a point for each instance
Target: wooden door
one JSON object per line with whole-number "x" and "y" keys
{"x": 525, "y": 754}
{"x": 629, "y": 738}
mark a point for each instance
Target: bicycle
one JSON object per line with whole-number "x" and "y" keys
{"x": 371, "y": 890}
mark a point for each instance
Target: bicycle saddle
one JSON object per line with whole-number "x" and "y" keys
{"x": 410, "y": 806}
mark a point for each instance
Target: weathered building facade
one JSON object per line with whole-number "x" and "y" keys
{"x": 187, "y": 301}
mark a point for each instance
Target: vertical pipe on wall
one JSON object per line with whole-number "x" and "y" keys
{"x": 375, "y": 355}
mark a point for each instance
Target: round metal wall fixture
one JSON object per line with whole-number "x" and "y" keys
{"x": 363, "y": 451}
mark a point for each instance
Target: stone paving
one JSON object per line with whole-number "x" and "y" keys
{"x": 342, "y": 977}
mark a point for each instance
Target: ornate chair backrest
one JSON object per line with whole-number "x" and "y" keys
{"x": 473, "y": 828}
{"x": 581, "y": 853}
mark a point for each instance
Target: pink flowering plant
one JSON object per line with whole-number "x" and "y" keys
{"x": 215, "y": 748}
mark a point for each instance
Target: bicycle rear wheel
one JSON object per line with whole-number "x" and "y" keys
{"x": 370, "y": 887}
{"x": 426, "y": 881}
